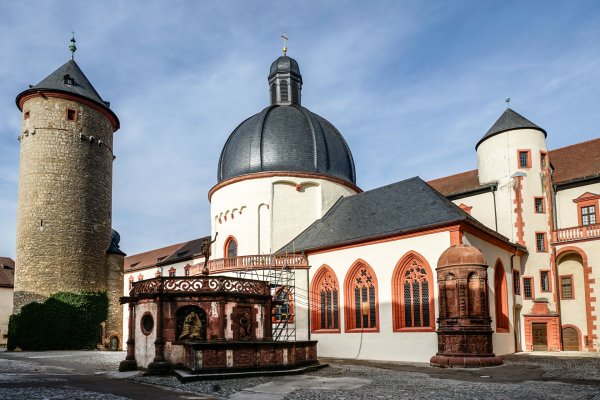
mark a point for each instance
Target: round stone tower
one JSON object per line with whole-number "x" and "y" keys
{"x": 65, "y": 187}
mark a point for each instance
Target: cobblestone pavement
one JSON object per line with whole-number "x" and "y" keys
{"x": 90, "y": 375}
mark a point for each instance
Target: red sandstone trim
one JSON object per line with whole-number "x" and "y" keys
{"x": 518, "y": 202}
{"x": 315, "y": 307}
{"x": 349, "y": 307}
{"x": 519, "y": 151}
{"x": 306, "y": 175}
{"x": 588, "y": 289}
{"x": 398, "y": 321}
{"x": 572, "y": 287}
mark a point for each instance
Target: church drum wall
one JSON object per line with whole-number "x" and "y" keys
{"x": 64, "y": 212}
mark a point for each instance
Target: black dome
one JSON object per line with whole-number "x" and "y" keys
{"x": 286, "y": 138}
{"x": 284, "y": 64}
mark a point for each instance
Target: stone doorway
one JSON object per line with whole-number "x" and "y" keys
{"x": 540, "y": 336}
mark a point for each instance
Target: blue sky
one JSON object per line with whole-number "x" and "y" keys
{"x": 411, "y": 85}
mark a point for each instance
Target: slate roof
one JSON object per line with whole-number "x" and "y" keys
{"x": 509, "y": 120}
{"x": 402, "y": 207}
{"x": 167, "y": 255}
{"x": 7, "y": 272}
{"x": 286, "y": 138}
{"x": 285, "y": 64}
{"x": 570, "y": 164}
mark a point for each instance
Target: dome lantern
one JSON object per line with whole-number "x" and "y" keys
{"x": 285, "y": 82}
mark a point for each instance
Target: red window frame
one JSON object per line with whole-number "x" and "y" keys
{"x": 325, "y": 284}
{"x": 528, "y": 151}
{"x": 544, "y": 241}
{"x": 411, "y": 267}
{"x": 361, "y": 269}
{"x": 570, "y": 277}
{"x": 531, "y": 286}
{"x": 543, "y": 202}
{"x": 549, "y": 276}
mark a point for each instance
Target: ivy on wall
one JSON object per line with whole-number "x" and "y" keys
{"x": 65, "y": 321}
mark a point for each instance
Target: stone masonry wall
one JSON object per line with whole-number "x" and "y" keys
{"x": 114, "y": 286}
{"x": 64, "y": 208}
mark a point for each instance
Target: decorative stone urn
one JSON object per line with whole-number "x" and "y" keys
{"x": 464, "y": 325}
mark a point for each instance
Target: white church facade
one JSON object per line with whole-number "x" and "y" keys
{"x": 356, "y": 270}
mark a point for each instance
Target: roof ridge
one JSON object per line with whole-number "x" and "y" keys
{"x": 575, "y": 144}
{"x": 164, "y": 247}
{"x": 453, "y": 175}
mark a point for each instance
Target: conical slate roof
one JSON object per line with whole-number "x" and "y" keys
{"x": 80, "y": 86}
{"x": 509, "y": 120}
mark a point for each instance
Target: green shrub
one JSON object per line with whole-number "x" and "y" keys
{"x": 64, "y": 321}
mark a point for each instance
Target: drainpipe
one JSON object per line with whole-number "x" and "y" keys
{"x": 308, "y": 298}
{"x": 514, "y": 297}
{"x": 493, "y": 188}
{"x": 557, "y": 291}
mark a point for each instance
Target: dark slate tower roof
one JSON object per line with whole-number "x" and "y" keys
{"x": 509, "y": 120}
{"x": 285, "y": 64}
{"x": 69, "y": 79}
{"x": 286, "y": 137}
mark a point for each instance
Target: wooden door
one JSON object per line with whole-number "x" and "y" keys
{"x": 540, "y": 336}
{"x": 570, "y": 339}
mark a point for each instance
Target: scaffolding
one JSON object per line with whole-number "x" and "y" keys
{"x": 288, "y": 297}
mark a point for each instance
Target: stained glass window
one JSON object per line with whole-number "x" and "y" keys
{"x": 364, "y": 301}
{"x": 415, "y": 298}
{"x": 326, "y": 291}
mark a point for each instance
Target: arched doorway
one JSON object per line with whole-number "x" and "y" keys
{"x": 570, "y": 338}
{"x": 575, "y": 298}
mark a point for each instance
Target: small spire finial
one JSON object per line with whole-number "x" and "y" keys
{"x": 507, "y": 100}
{"x": 284, "y": 37}
{"x": 72, "y": 47}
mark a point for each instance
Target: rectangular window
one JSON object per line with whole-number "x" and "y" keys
{"x": 71, "y": 115}
{"x": 540, "y": 242}
{"x": 524, "y": 158}
{"x": 588, "y": 215}
{"x": 539, "y": 205}
{"x": 171, "y": 272}
{"x": 516, "y": 283}
{"x": 528, "y": 288}
{"x": 543, "y": 160}
{"x": 566, "y": 287}
{"x": 545, "y": 281}
{"x": 187, "y": 272}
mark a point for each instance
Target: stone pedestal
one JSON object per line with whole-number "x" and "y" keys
{"x": 464, "y": 332}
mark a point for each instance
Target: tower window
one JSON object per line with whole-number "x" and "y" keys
{"x": 545, "y": 281}
{"x": 516, "y": 283}
{"x": 26, "y": 115}
{"x": 524, "y": 158}
{"x": 528, "y": 288}
{"x": 540, "y": 242}
{"x": 71, "y": 115}
{"x": 539, "y": 205}
{"x": 543, "y": 160}
{"x": 283, "y": 90}
{"x": 295, "y": 93}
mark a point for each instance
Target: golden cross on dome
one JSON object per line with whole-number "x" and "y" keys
{"x": 284, "y": 37}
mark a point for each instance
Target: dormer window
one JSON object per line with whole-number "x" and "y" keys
{"x": 68, "y": 80}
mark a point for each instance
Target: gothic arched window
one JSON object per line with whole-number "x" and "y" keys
{"x": 361, "y": 308}
{"x": 412, "y": 296}
{"x": 325, "y": 311}
{"x": 501, "y": 298}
